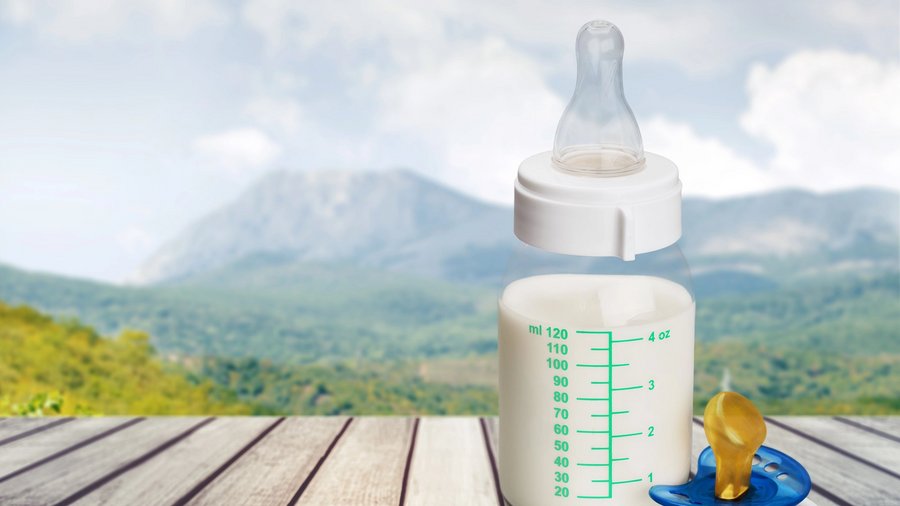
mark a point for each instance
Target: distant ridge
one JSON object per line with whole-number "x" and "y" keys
{"x": 389, "y": 219}
{"x": 399, "y": 220}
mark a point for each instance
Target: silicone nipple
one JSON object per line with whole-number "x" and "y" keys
{"x": 735, "y": 430}
{"x": 597, "y": 134}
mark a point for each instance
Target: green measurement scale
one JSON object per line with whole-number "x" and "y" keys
{"x": 592, "y": 436}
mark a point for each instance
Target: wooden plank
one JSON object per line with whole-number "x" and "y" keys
{"x": 165, "y": 479}
{"x": 15, "y": 429}
{"x": 46, "y": 444}
{"x": 865, "y": 445}
{"x": 846, "y": 478}
{"x": 273, "y": 470}
{"x": 55, "y": 481}
{"x": 887, "y": 427}
{"x": 366, "y": 466}
{"x": 450, "y": 447}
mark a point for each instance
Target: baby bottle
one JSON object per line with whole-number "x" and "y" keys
{"x": 596, "y": 321}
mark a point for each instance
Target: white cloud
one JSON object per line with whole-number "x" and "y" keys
{"x": 481, "y": 109}
{"x": 705, "y": 37}
{"x": 832, "y": 117}
{"x": 82, "y": 20}
{"x": 404, "y": 25}
{"x": 415, "y": 32}
{"x": 707, "y": 166}
{"x": 136, "y": 241}
{"x": 876, "y": 21}
{"x": 283, "y": 114}
{"x": 671, "y": 32}
{"x": 464, "y": 85}
{"x": 237, "y": 151}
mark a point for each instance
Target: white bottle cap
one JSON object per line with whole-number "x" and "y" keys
{"x": 598, "y": 193}
{"x": 619, "y": 216}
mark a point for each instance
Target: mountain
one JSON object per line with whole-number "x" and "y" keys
{"x": 799, "y": 297}
{"x": 393, "y": 219}
{"x": 848, "y": 229}
{"x": 399, "y": 221}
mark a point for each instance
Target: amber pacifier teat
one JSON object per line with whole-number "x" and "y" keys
{"x": 735, "y": 429}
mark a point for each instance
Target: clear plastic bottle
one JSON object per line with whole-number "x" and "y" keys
{"x": 596, "y": 322}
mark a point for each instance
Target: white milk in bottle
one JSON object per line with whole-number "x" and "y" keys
{"x": 596, "y": 323}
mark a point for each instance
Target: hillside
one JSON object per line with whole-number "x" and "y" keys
{"x": 53, "y": 367}
{"x": 330, "y": 339}
{"x": 64, "y": 367}
{"x": 847, "y": 316}
{"x": 302, "y": 313}
{"x": 289, "y": 312}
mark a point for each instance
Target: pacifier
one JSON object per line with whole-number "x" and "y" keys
{"x": 736, "y": 469}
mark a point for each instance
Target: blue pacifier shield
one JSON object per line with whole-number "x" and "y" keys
{"x": 775, "y": 480}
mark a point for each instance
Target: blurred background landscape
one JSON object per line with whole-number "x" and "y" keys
{"x": 269, "y": 207}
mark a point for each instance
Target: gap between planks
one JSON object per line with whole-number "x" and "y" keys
{"x": 450, "y": 464}
{"x": 409, "y": 456}
{"x": 132, "y": 464}
{"x": 56, "y": 479}
{"x": 491, "y": 446}
{"x": 276, "y": 468}
{"x": 867, "y": 428}
{"x": 222, "y": 468}
{"x": 372, "y": 454}
{"x": 210, "y": 478}
{"x": 70, "y": 449}
{"x": 41, "y": 427}
{"x": 315, "y": 469}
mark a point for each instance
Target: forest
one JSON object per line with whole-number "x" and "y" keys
{"x": 53, "y": 367}
{"x": 375, "y": 343}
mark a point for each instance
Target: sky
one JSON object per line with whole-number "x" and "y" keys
{"x": 121, "y": 122}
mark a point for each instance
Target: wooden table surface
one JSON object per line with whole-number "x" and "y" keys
{"x": 357, "y": 461}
